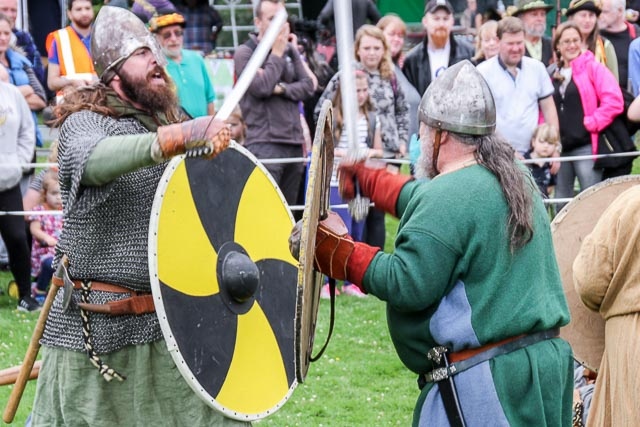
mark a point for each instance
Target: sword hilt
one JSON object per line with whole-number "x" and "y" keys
{"x": 358, "y": 207}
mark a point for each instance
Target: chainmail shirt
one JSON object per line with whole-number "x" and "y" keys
{"x": 104, "y": 236}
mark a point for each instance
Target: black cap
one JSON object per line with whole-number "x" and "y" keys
{"x": 578, "y": 5}
{"x": 433, "y": 5}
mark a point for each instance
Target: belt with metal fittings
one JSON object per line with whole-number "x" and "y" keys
{"x": 461, "y": 361}
{"x": 138, "y": 303}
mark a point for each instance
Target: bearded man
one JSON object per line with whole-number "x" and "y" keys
{"x": 186, "y": 67}
{"x": 69, "y": 50}
{"x": 115, "y": 138}
{"x": 533, "y": 14}
{"x": 439, "y": 50}
{"x": 474, "y": 296}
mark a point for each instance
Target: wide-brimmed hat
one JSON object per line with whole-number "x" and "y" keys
{"x": 578, "y": 5}
{"x": 527, "y": 5}
{"x": 158, "y": 22}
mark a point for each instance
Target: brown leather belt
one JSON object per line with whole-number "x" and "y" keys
{"x": 138, "y": 303}
{"x": 470, "y": 352}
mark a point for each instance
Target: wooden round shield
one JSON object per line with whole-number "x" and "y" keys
{"x": 224, "y": 282}
{"x": 585, "y": 331}
{"x": 315, "y": 209}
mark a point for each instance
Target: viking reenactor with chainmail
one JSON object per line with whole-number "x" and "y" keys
{"x": 474, "y": 296}
{"x": 115, "y": 138}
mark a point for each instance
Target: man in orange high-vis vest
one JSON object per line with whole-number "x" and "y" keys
{"x": 68, "y": 49}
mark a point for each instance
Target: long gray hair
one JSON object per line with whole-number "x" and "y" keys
{"x": 494, "y": 153}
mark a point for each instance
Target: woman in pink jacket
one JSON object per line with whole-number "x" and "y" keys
{"x": 588, "y": 98}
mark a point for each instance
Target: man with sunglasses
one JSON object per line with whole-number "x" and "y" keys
{"x": 186, "y": 68}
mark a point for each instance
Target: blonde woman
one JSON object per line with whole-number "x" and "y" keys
{"x": 487, "y": 42}
{"x": 395, "y": 30}
{"x": 372, "y": 53}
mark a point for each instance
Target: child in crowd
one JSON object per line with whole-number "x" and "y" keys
{"x": 237, "y": 125}
{"x": 45, "y": 230}
{"x": 544, "y": 143}
{"x": 369, "y": 141}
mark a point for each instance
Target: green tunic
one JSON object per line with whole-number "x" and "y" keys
{"x": 452, "y": 280}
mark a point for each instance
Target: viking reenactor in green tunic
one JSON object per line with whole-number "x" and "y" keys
{"x": 115, "y": 138}
{"x": 474, "y": 297}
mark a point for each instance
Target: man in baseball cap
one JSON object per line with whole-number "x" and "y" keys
{"x": 438, "y": 50}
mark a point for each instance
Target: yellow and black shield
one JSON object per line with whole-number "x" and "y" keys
{"x": 224, "y": 282}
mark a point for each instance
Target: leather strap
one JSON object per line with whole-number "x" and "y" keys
{"x": 511, "y": 345}
{"x": 98, "y": 286}
{"x": 332, "y": 318}
{"x": 138, "y": 303}
{"x": 459, "y": 356}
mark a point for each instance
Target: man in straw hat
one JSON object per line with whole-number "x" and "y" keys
{"x": 115, "y": 138}
{"x": 474, "y": 296}
{"x": 187, "y": 68}
{"x": 533, "y": 14}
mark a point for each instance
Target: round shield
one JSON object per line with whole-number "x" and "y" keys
{"x": 585, "y": 331}
{"x": 224, "y": 282}
{"x": 315, "y": 209}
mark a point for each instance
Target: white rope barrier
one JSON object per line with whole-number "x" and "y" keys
{"x": 282, "y": 160}
{"x": 344, "y": 206}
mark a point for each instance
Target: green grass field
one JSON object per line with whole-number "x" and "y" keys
{"x": 358, "y": 381}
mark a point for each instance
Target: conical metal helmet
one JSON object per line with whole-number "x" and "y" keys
{"x": 460, "y": 101}
{"x": 116, "y": 34}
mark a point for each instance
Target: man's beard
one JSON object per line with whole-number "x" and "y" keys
{"x": 83, "y": 24}
{"x": 171, "y": 53}
{"x": 424, "y": 164}
{"x": 439, "y": 38}
{"x": 153, "y": 98}
{"x": 535, "y": 30}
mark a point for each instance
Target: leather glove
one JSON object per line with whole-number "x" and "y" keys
{"x": 203, "y": 132}
{"x": 336, "y": 254}
{"x": 381, "y": 186}
{"x": 333, "y": 247}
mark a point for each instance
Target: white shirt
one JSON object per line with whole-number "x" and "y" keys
{"x": 438, "y": 60}
{"x": 517, "y": 99}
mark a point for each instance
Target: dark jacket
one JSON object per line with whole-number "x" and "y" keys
{"x": 416, "y": 65}
{"x": 273, "y": 118}
{"x": 547, "y": 51}
{"x": 361, "y": 11}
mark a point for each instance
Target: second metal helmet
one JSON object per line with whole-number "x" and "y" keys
{"x": 460, "y": 101}
{"x": 115, "y": 35}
